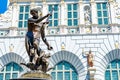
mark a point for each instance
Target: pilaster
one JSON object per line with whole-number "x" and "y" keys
{"x": 44, "y": 8}
{"x": 94, "y": 21}
{"x": 81, "y": 18}
{"x": 15, "y": 18}
{"x": 81, "y": 11}
{"x": 111, "y": 11}
{"x": 93, "y": 12}
{"x": 63, "y": 18}
{"x": 15, "y": 13}
{"x": 112, "y": 16}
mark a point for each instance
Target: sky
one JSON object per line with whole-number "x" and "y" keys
{"x": 3, "y": 6}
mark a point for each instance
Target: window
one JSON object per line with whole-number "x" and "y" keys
{"x": 54, "y": 18}
{"x": 23, "y": 16}
{"x": 113, "y": 71}
{"x": 64, "y": 71}
{"x": 11, "y": 70}
{"x": 72, "y": 14}
{"x": 102, "y": 13}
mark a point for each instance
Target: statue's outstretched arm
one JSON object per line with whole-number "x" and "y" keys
{"x": 31, "y": 20}
{"x": 44, "y": 38}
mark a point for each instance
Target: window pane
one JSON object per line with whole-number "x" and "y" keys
{"x": 74, "y": 75}
{"x": 53, "y": 75}
{"x": 74, "y": 6}
{"x": 55, "y": 15}
{"x": 21, "y": 8}
{"x": 107, "y": 75}
{"x": 7, "y": 76}
{"x": 60, "y": 66}
{"x": 15, "y": 67}
{"x": 67, "y": 75}
{"x": 113, "y": 64}
{"x": 69, "y": 7}
{"x": 20, "y": 24}
{"x": 105, "y": 20}
{"x": 67, "y": 66}
{"x": 119, "y": 63}
{"x": 50, "y": 22}
{"x": 55, "y": 22}
{"x": 75, "y": 14}
{"x": 100, "y": 21}
{"x": 55, "y": 7}
{"x": 26, "y": 16}
{"x": 14, "y": 75}
{"x": 99, "y": 14}
{"x": 105, "y": 13}
{"x": 25, "y": 23}
{"x": 98, "y": 6}
{"x": 50, "y": 17}
{"x": 21, "y": 17}
{"x": 50, "y": 7}
{"x": 1, "y": 76}
{"x": 8, "y": 67}
{"x": 26, "y": 8}
{"x": 104, "y": 6}
{"x": 69, "y": 15}
{"x": 60, "y": 76}
{"x": 115, "y": 75}
{"x": 75, "y": 22}
{"x": 69, "y": 22}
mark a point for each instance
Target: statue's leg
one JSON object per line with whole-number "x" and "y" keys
{"x": 36, "y": 46}
{"x": 31, "y": 58}
{"x": 29, "y": 48}
{"x": 27, "y": 45}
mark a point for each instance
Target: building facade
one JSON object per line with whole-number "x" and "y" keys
{"x": 76, "y": 27}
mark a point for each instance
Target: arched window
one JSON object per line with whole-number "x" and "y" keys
{"x": 11, "y": 70}
{"x": 113, "y": 70}
{"x": 64, "y": 71}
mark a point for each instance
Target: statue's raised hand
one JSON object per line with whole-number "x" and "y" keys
{"x": 49, "y": 14}
{"x": 50, "y": 47}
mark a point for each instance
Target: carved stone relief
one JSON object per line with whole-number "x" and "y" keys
{"x": 87, "y": 15}
{"x": 7, "y": 16}
{"x": 117, "y": 10}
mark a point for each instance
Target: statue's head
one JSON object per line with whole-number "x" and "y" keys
{"x": 34, "y": 13}
{"x": 37, "y": 12}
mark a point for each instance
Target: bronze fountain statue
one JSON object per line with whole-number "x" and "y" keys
{"x": 37, "y": 57}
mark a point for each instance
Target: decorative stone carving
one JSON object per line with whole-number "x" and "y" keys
{"x": 117, "y": 10}
{"x": 87, "y": 14}
{"x": 11, "y": 47}
{"x": 7, "y": 16}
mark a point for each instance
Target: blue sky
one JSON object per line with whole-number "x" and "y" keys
{"x": 3, "y": 6}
